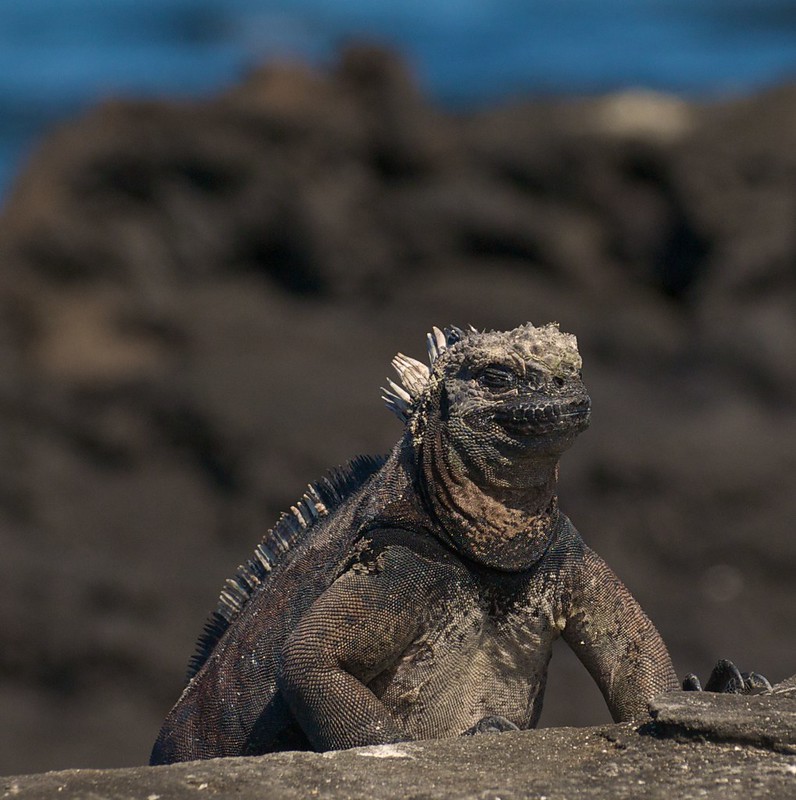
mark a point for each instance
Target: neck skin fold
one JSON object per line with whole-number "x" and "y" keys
{"x": 503, "y": 528}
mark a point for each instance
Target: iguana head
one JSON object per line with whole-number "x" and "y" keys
{"x": 494, "y": 412}
{"x": 497, "y": 394}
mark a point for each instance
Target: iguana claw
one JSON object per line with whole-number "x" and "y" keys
{"x": 726, "y": 678}
{"x": 491, "y": 724}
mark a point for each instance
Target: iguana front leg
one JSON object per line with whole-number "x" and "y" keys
{"x": 615, "y": 640}
{"x": 361, "y": 624}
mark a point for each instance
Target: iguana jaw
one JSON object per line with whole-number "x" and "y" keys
{"x": 496, "y": 432}
{"x": 525, "y": 419}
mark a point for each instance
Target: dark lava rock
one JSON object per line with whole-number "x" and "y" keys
{"x": 199, "y": 301}
{"x": 614, "y": 761}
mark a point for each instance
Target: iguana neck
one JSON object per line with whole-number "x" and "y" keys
{"x": 498, "y": 527}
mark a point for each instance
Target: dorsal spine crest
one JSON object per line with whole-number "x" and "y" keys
{"x": 318, "y": 501}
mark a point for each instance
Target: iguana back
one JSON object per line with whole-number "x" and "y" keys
{"x": 293, "y": 564}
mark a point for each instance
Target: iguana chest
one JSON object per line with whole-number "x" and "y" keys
{"x": 472, "y": 660}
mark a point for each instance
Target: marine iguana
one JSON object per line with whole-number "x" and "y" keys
{"x": 418, "y": 595}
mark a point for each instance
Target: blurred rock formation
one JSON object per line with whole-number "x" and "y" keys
{"x": 199, "y": 301}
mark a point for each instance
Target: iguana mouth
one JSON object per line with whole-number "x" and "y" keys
{"x": 533, "y": 419}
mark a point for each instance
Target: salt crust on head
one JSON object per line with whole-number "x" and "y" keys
{"x": 545, "y": 347}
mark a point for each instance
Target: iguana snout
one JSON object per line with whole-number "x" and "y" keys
{"x": 532, "y": 418}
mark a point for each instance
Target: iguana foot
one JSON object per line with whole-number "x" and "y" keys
{"x": 728, "y": 679}
{"x": 492, "y": 724}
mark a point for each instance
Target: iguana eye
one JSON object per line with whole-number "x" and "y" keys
{"x": 497, "y": 378}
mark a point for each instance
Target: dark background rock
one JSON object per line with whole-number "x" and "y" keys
{"x": 200, "y": 300}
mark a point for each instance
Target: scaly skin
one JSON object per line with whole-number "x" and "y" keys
{"x": 424, "y": 599}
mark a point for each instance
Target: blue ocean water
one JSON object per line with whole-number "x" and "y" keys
{"x": 58, "y": 56}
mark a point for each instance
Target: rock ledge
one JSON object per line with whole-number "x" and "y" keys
{"x": 696, "y": 745}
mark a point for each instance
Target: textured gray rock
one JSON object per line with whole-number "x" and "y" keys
{"x": 786, "y": 687}
{"x": 607, "y": 762}
{"x": 765, "y": 720}
{"x": 742, "y": 749}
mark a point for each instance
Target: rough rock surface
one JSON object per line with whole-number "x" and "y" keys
{"x": 763, "y": 720}
{"x": 693, "y": 754}
{"x": 199, "y": 301}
